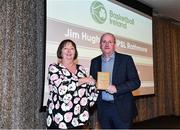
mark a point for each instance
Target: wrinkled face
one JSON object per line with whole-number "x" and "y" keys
{"x": 107, "y": 44}
{"x": 68, "y": 51}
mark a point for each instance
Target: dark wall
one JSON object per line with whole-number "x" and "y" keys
{"x": 21, "y": 63}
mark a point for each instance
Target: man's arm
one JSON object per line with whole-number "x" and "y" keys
{"x": 132, "y": 80}
{"x": 93, "y": 71}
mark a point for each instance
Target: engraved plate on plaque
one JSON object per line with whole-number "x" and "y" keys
{"x": 103, "y": 80}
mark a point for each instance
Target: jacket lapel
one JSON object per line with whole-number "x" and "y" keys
{"x": 99, "y": 64}
{"x": 115, "y": 67}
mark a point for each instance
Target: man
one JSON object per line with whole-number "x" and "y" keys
{"x": 115, "y": 106}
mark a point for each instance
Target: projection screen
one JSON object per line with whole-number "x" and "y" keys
{"x": 84, "y": 21}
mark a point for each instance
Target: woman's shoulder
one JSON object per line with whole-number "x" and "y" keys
{"x": 58, "y": 65}
{"x": 81, "y": 67}
{"x": 54, "y": 67}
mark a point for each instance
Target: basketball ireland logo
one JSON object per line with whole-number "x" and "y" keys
{"x": 98, "y": 12}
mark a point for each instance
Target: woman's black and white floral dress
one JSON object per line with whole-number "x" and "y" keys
{"x": 68, "y": 103}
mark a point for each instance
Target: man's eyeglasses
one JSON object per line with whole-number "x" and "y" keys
{"x": 107, "y": 42}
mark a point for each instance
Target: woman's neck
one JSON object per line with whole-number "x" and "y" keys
{"x": 68, "y": 63}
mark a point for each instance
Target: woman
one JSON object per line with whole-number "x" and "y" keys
{"x": 71, "y": 91}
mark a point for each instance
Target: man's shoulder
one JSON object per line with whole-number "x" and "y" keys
{"x": 122, "y": 55}
{"x": 96, "y": 58}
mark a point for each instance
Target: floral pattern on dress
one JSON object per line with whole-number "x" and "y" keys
{"x": 68, "y": 103}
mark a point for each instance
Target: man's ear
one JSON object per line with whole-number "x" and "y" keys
{"x": 100, "y": 46}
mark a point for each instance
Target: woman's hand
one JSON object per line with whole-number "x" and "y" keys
{"x": 88, "y": 80}
{"x": 91, "y": 81}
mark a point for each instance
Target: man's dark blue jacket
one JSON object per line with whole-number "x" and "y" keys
{"x": 126, "y": 79}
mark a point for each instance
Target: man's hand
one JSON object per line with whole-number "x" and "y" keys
{"x": 111, "y": 89}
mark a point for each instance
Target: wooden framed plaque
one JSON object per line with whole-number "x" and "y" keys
{"x": 103, "y": 80}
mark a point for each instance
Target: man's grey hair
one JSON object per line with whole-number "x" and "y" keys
{"x": 108, "y": 34}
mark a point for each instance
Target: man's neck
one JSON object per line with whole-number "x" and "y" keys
{"x": 107, "y": 55}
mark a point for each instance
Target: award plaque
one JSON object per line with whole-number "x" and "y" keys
{"x": 103, "y": 80}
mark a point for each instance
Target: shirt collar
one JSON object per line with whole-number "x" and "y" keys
{"x": 112, "y": 56}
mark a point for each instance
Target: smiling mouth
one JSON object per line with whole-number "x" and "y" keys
{"x": 68, "y": 54}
